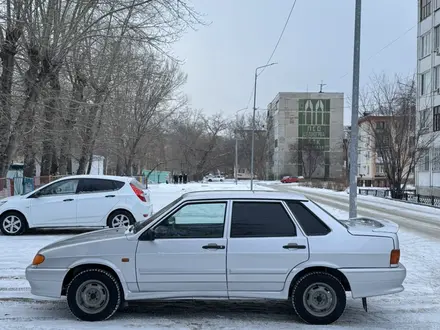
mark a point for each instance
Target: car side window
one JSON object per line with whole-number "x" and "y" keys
{"x": 96, "y": 185}
{"x": 196, "y": 220}
{"x": 65, "y": 187}
{"x": 261, "y": 219}
{"x": 118, "y": 185}
{"x": 309, "y": 222}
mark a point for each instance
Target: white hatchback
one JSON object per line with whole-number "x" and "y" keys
{"x": 77, "y": 201}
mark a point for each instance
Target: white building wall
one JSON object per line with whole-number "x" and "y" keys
{"x": 428, "y": 182}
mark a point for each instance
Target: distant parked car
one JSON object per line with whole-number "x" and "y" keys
{"x": 291, "y": 179}
{"x": 214, "y": 178}
{"x": 77, "y": 201}
{"x": 225, "y": 245}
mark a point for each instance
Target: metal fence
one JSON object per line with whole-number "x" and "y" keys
{"x": 408, "y": 196}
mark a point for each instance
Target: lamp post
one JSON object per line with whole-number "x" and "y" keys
{"x": 253, "y": 121}
{"x": 236, "y": 146}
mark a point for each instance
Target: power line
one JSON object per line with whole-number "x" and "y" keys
{"x": 275, "y": 48}
{"x": 281, "y": 35}
{"x": 386, "y": 46}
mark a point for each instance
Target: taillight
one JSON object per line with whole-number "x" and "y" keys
{"x": 395, "y": 257}
{"x": 139, "y": 193}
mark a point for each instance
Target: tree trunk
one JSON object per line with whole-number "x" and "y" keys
{"x": 33, "y": 85}
{"x": 89, "y": 165}
{"x": 88, "y": 134}
{"x": 78, "y": 86}
{"x": 7, "y": 56}
{"x": 48, "y": 156}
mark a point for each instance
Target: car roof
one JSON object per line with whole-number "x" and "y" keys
{"x": 242, "y": 194}
{"x": 94, "y": 176}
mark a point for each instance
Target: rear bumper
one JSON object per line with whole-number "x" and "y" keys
{"x": 370, "y": 282}
{"x": 45, "y": 282}
{"x": 143, "y": 212}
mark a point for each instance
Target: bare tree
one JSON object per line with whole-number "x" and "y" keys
{"x": 9, "y": 39}
{"x": 55, "y": 38}
{"x": 308, "y": 155}
{"x": 242, "y": 129}
{"x": 398, "y": 139}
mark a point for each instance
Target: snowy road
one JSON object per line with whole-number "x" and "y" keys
{"x": 419, "y": 218}
{"x": 417, "y": 307}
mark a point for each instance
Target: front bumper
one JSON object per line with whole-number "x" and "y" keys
{"x": 45, "y": 282}
{"x": 370, "y": 282}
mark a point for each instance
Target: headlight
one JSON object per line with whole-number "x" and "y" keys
{"x": 38, "y": 259}
{"x": 2, "y": 202}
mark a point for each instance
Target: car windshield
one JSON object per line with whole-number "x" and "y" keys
{"x": 140, "y": 225}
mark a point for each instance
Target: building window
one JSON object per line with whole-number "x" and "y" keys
{"x": 424, "y": 161}
{"x": 425, "y": 45}
{"x": 276, "y": 143}
{"x": 425, "y": 81}
{"x": 424, "y": 118}
{"x": 380, "y": 125}
{"x": 437, "y": 35}
{"x": 380, "y": 169}
{"x": 437, "y": 76}
{"x": 425, "y": 9}
{"x": 436, "y": 118}
{"x": 436, "y": 160}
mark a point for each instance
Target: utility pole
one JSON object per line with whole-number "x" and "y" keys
{"x": 236, "y": 158}
{"x": 253, "y": 121}
{"x": 355, "y": 111}
{"x": 253, "y": 130}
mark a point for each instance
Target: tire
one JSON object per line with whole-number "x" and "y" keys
{"x": 13, "y": 224}
{"x": 323, "y": 286}
{"x": 210, "y": 180}
{"x": 120, "y": 218}
{"x": 101, "y": 288}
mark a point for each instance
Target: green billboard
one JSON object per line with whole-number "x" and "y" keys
{"x": 314, "y": 129}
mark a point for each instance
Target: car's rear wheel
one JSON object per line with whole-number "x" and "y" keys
{"x": 94, "y": 295}
{"x": 13, "y": 223}
{"x": 318, "y": 298}
{"x": 120, "y": 218}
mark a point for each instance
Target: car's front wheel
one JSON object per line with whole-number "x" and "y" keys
{"x": 120, "y": 218}
{"x": 13, "y": 223}
{"x": 94, "y": 295}
{"x": 318, "y": 298}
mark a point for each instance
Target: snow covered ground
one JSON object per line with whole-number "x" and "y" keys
{"x": 415, "y": 308}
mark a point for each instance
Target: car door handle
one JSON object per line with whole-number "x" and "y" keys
{"x": 68, "y": 200}
{"x": 213, "y": 246}
{"x": 110, "y": 196}
{"x": 294, "y": 246}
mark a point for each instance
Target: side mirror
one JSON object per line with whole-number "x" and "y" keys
{"x": 149, "y": 235}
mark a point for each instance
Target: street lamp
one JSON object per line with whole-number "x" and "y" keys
{"x": 236, "y": 146}
{"x": 253, "y": 121}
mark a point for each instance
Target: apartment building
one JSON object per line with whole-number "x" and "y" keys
{"x": 428, "y": 94}
{"x": 293, "y": 118}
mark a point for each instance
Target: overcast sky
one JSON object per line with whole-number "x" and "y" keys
{"x": 220, "y": 59}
